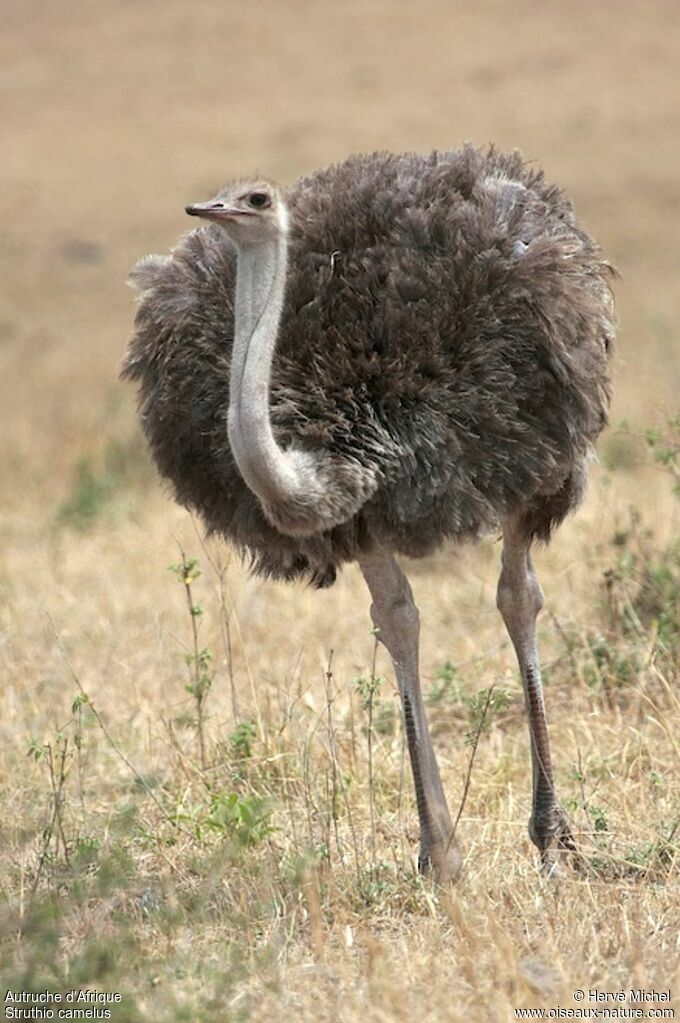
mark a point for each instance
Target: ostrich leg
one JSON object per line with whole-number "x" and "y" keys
{"x": 396, "y": 618}
{"x": 519, "y": 600}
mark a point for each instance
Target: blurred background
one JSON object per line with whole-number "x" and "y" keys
{"x": 114, "y": 115}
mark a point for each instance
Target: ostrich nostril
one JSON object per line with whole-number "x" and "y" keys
{"x": 198, "y": 209}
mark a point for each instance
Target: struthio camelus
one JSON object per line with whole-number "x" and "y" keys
{"x": 416, "y": 349}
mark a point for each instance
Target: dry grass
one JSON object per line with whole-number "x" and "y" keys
{"x": 256, "y": 888}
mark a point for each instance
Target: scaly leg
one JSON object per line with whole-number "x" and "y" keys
{"x": 396, "y": 618}
{"x": 519, "y": 600}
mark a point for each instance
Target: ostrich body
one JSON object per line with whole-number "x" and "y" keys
{"x": 396, "y": 351}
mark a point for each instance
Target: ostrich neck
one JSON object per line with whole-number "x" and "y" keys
{"x": 268, "y": 471}
{"x": 301, "y": 492}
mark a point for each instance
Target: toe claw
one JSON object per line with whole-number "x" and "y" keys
{"x": 555, "y": 840}
{"x": 442, "y": 862}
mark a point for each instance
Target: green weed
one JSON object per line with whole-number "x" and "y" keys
{"x": 242, "y": 738}
{"x": 246, "y": 819}
{"x": 199, "y": 659}
{"x": 447, "y": 687}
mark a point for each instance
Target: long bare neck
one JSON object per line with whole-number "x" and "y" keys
{"x": 260, "y": 284}
{"x": 291, "y": 485}
{"x": 301, "y": 492}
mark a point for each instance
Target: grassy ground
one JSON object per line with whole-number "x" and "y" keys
{"x": 261, "y": 866}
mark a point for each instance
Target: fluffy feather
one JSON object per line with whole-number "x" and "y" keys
{"x": 447, "y": 328}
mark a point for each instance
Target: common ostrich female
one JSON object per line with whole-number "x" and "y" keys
{"x": 397, "y": 351}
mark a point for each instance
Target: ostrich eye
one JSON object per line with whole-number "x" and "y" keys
{"x": 259, "y": 200}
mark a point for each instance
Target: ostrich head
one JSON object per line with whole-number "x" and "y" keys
{"x": 251, "y": 212}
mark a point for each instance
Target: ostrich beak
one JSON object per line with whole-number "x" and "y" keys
{"x": 213, "y": 210}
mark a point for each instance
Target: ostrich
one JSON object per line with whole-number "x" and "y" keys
{"x": 417, "y": 350}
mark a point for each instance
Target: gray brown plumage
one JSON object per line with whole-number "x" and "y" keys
{"x": 447, "y": 326}
{"x": 398, "y": 351}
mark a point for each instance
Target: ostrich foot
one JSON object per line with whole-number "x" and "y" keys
{"x": 441, "y": 861}
{"x": 554, "y": 842}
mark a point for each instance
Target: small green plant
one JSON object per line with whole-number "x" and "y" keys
{"x": 61, "y": 841}
{"x": 58, "y": 756}
{"x": 446, "y": 689}
{"x": 665, "y": 448}
{"x": 483, "y": 707}
{"x": 199, "y": 663}
{"x": 657, "y": 857}
{"x": 295, "y": 868}
{"x": 641, "y": 590}
{"x": 199, "y": 659}
{"x": 609, "y": 664}
{"x": 598, "y": 818}
{"x": 241, "y": 739}
{"x": 187, "y": 571}
{"x": 375, "y": 883}
{"x": 368, "y": 688}
{"x": 85, "y": 851}
{"x": 642, "y": 598}
{"x": 245, "y": 819}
